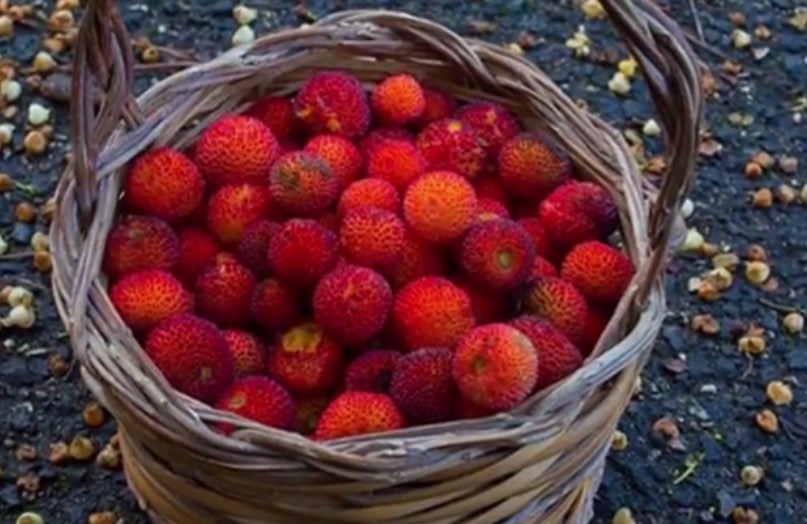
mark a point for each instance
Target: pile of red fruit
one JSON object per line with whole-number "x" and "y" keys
{"x": 344, "y": 262}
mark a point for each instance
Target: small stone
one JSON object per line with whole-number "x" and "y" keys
{"x": 29, "y": 517}
{"x": 789, "y": 164}
{"x": 793, "y": 322}
{"x": 58, "y": 453}
{"x": 751, "y": 345}
{"x": 767, "y": 421}
{"x": 243, "y": 35}
{"x": 740, "y": 39}
{"x": 742, "y": 515}
{"x": 779, "y": 393}
{"x": 764, "y": 159}
{"x": 93, "y": 415}
{"x": 753, "y": 170}
{"x": 667, "y": 428}
{"x": 619, "y": 441}
{"x": 57, "y": 365}
{"x": 619, "y": 84}
{"x": 623, "y": 516}
{"x": 757, "y": 272}
{"x": 751, "y": 475}
{"x": 756, "y": 253}
{"x": 244, "y": 15}
{"x": 108, "y": 458}
{"x": 25, "y": 212}
{"x": 38, "y": 114}
{"x": 81, "y": 448}
{"x": 693, "y": 241}
{"x": 102, "y": 517}
{"x": 762, "y": 198}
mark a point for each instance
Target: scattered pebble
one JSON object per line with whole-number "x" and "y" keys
{"x": 779, "y": 393}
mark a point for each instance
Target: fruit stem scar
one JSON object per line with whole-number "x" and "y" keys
{"x": 306, "y": 337}
{"x": 478, "y": 365}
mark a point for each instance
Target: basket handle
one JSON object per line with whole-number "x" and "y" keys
{"x": 104, "y": 57}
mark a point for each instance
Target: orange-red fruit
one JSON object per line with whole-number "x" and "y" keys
{"x": 163, "y": 183}
{"x": 494, "y": 124}
{"x": 371, "y": 237}
{"x": 543, "y": 268}
{"x": 247, "y": 351}
{"x": 192, "y": 354}
{"x": 277, "y": 113}
{"x": 333, "y": 102}
{"x": 377, "y": 136}
{"x": 259, "y": 399}
{"x": 559, "y": 302}
{"x": 495, "y": 367}
{"x": 254, "y": 244}
{"x": 397, "y": 161}
{"x": 439, "y": 105}
{"x": 352, "y": 304}
{"x": 497, "y": 254}
{"x": 488, "y": 209}
{"x": 371, "y": 371}
{"x": 465, "y": 409}
{"x": 236, "y": 149}
{"x": 452, "y": 145}
{"x": 302, "y": 251}
{"x": 197, "y": 249}
{"x": 538, "y": 234}
{"x": 305, "y": 360}
{"x": 557, "y": 356}
{"x": 373, "y": 192}
{"x": 398, "y": 100}
{"x": 431, "y": 312}
{"x": 138, "y": 243}
{"x": 596, "y": 322}
{"x": 576, "y": 212}
{"x": 486, "y": 305}
{"x": 224, "y": 290}
{"x": 440, "y": 206}
{"x": 530, "y": 167}
{"x": 601, "y": 272}
{"x": 358, "y": 413}
{"x": 274, "y": 306}
{"x": 302, "y": 184}
{"x": 417, "y": 259}
{"x": 340, "y": 154}
{"x": 422, "y": 385}
{"x": 307, "y": 413}
{"x": 145, "y": 298}
{"x": 232, "y": 208}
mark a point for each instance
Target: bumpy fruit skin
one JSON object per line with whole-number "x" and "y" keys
{"x": 306, "y": 360}
{"x": 378, "y": 136}
{"x": 431, "y": 312}
{"x": 302, "y": 251}
{"x": 398, "y": 162}
{"x": 223, "y": 291}
{"x": 307, "y": 413}
{"x": 372, "y": 371}
{"x": 452, "y": 145}
{"x": 258, "y": 399}
{"x": 352, "y": 304}
{"x": 138, "y": 243}
{"x": 440, "y": 206}
{"x": 358, "y": 413}
{"x": 576, "y": 212}
{"x": 277, "y": 113}
{"x": 371, "y": 237}
{"x": 439, "y": 105}
{"x": 559, "y": 302}
{"x": 487, "y": 306}
{"x": 163, "y": 183}
{"x": 530, "y": 167}
{"x": 596, "y": 322}
{"x": 557, "y": 356}
{"x": 601, "y": 272}
{"x": 340, "y": 154}
{"x": 398, "y": 100}
{"x": 497, "y": 254}
{"x": 488, "y": 209}
{"x": 373, "y": 192}
{"x": 274, "y": 306}
{"x": 254, "y": 244}
{"x": 543, "y": 268}
{"x": 145, "y": 298}
{"x": 248, "y": 352}
{"x": 236, "y": 149}
{"x": 192, "y": 354}
{"x": 495, "y": 367}
{"x": 302, "y": 184}
{"x": 494, "y": 124}
{"x": 538, "y": 234}
{"x": 465, "y": 409}
{"x": 197, "y": 250}
{"x": 491, "y": 187}
{"x": 417, "y": 259}
{"x": 423, "y": 386}
{"x": 333, "y": 102}
{"x": 232, "y": 208}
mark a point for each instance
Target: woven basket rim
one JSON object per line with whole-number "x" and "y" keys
{"x": 157, "y": 421}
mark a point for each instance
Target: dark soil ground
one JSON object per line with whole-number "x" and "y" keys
{"x": 703, "y": 384}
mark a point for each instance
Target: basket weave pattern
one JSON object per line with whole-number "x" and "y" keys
{"x": 540, "y": 463}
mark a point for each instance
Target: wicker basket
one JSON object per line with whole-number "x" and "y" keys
{"x": 541, "y": 463}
